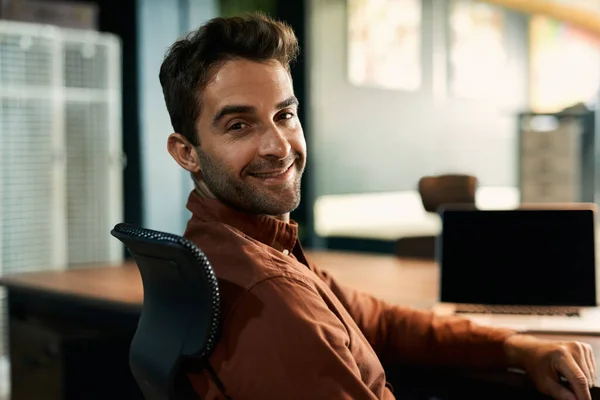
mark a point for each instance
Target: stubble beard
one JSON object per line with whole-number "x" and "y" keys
{"x": 245, "y": 196}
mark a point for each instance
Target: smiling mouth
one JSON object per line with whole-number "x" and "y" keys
{"x": 272, "y": 174}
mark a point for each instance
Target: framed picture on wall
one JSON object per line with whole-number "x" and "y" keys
{"x": 477, "y": 50}
{"x": 564, "y": 65}
{"x": 384, "y": 43}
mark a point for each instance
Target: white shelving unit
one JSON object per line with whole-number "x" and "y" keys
{"x": 60, "y": 147}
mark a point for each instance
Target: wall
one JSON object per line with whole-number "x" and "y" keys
{"x": 369, "y": 140}
{"x": 165, "y": 186}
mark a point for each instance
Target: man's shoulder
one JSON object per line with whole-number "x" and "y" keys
{"x": 243, "y": 265}
{"x": 239, "y": 259}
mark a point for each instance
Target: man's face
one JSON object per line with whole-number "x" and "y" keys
{"x": 252, "y": 150}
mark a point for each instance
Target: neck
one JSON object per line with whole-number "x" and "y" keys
{"x": 284, "y": 217}
{"x": 203, "y": 190}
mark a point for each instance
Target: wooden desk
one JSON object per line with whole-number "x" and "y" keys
{"x": 69, "y": 333}
{"x": 111, "y": 296}
{"x": 117, "y": 286}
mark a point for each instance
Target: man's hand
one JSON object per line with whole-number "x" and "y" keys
{"x": 546, "y": 362}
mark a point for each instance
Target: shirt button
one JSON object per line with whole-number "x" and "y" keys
{"x": 286, "y": 252}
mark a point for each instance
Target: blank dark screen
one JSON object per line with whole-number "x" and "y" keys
{"x": 518, "y": 257}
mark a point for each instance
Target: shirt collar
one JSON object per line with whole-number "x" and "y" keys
{"x": 271, "y": 231}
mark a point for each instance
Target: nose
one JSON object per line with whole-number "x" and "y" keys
{"x": 274, "y": 143}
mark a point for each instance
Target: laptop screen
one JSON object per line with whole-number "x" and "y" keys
{"x": 518, "y": 257}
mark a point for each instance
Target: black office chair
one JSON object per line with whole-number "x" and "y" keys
{"x": 180, "y": 320}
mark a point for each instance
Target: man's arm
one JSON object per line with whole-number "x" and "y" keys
{"x": 282, "y": 342}
{"x": 401, "y": 335}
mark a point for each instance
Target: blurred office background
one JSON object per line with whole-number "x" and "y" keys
{"x": 391, "y": 91}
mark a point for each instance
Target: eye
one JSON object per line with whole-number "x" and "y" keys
{"x": 237, "y": 126}
{"x": 285, "y": 115}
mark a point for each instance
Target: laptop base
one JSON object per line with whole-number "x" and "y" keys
{"x": 586, "y": 322}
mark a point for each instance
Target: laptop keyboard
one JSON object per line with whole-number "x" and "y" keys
{"x": 517, "y": 310}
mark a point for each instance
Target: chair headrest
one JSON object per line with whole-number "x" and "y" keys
{"x": 180, "y": 317}
{"x": 436, "y": 191}
{"x": 158, "y": 253}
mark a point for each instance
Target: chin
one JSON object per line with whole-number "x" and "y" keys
{"x": 272, "y": 206}
{"x": 280, "y": 210}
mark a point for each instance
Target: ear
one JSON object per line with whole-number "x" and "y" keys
{"x": 183, "y": 152}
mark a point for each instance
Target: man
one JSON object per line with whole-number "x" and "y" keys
{"x": 290, "y": 331}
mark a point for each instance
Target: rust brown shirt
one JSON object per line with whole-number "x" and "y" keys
{"x": 290, "y": 331}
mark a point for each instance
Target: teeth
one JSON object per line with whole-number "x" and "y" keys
{"x": 272, "y": 175}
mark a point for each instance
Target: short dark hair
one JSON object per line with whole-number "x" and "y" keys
{"x": 191, "y": 61}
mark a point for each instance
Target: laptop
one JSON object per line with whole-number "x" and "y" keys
{"x": 531, "y": 269}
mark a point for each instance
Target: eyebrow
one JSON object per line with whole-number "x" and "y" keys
{"x": 243, "y": 109}
{"x": 292, "y": 101}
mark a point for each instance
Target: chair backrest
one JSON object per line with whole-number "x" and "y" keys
{"x": 447, "y": 189}
{"x": 180, "y": 319}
